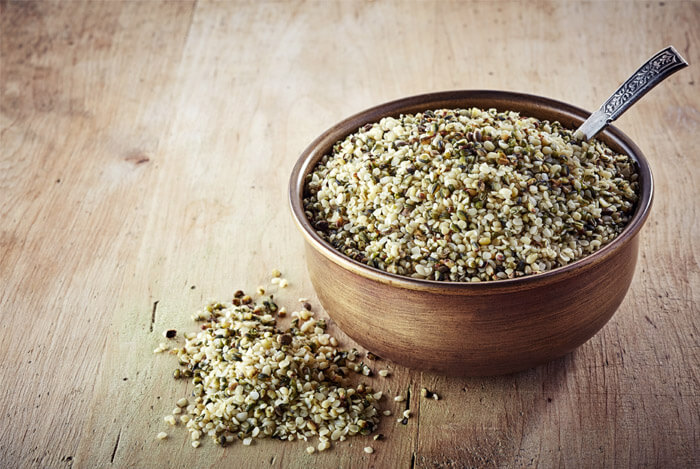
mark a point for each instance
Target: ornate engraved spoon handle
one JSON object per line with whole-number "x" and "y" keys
{"x": 653, "y": 72}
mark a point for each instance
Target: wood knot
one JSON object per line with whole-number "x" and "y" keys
{"x": 137, "y": 157}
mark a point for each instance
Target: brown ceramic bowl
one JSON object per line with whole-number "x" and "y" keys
{"x": 484, "y": 328}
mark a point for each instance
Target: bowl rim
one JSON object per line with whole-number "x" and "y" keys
{"x": 611, "y": 135}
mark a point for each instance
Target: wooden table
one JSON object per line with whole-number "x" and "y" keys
{"x": 145, "y": 153}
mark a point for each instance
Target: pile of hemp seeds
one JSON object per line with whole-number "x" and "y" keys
{"x": 254, "y": 380}
{"x": 469, "y": 195}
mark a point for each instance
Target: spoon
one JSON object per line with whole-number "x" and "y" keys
{"x": 655, "y": 70}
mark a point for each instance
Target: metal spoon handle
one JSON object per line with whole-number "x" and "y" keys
{"x": 654, "y": 71}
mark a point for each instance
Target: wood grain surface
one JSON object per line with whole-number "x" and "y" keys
{"x": 145, "y": 150}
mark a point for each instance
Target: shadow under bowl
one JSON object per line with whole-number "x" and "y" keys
{"x": 472, "y": 329}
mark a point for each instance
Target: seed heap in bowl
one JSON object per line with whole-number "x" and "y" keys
{"x": 252, "y": 380}
{"x": 469, "y": 195}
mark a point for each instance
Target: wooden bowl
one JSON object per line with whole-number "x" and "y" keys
{"x": 472, "y": 329}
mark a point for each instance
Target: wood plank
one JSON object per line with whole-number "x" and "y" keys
{"x": 145, "y": 149}
{"x": 83, "y": 111}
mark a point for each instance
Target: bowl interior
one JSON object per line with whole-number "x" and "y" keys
{"x": 528, "y": 105}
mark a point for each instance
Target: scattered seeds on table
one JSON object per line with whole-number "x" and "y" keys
{"x": 424, "y": 392}
{"x": 369, "y": 450}
{"x": 251, "y": 379}
{"x": 162, "y": 436}
{"x": 383, "y": 373}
